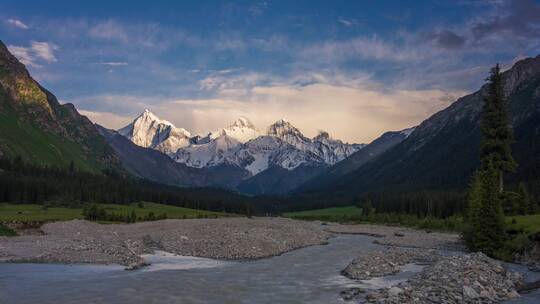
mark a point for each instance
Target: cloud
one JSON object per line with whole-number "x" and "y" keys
{"x": 352, "y": 109}
{"x": 108, "y": 119}
{"x": 109, "y": 30}
{"x": 17, "y": 23}
{"x": 35, "y": 53}
{"x": 447, "y": 39}
{"x": 520, "y": 18}
{"x": 347, "y": 22}
{"x": 44, "y": 50}
{"x": 368, "y": 48}
{"x": 23, "y": 54}
{"x": 114, "y": 63}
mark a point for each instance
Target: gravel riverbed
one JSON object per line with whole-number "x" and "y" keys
{"x": 239, "y": 238}
{"x": 455, "y": 278}
{"x": 80, "y": 241}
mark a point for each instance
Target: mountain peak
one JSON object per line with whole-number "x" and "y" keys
{"x": 149, "y": 117}
{"x": 243, "y": 121}
{"x": 322, "y": 135}
{"x": 148, "y": 130}
{"x": 282, "y": 122}
{"x": 282, "y": 127}
{"x": 241, "y": 130}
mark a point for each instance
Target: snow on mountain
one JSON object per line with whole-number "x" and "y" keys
{"x": 333, "y": 150}
{"x": 240, "y": 144}
{"x": 285, "y": 131}
{"x": 208, "y": 154}
{"x": 148, "y": 131}
{"x": 242, "y": 130}
{"x": 259, "y": 154}
{"x": 323, "y": 146}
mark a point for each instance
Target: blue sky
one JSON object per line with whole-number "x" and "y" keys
{"x": 353, "y": 68}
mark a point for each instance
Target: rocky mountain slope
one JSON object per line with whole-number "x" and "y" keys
{"x": 442, "y": 152}
{"x": 333, "y": 174}
{"x": 148, "y": 131}
{"x": 36, "y": 127}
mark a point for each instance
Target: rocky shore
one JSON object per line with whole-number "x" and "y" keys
{"x": 226, "y": 238}
{"x": 387, "y": 262}
{"x": 402, "y": 237}
{"x": 458, "y": 278}
{"x": 467, "y": 278}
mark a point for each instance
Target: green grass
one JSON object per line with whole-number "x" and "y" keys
{"x": 353, "y": 214}
{"x": 327, "y": 212}
{"x": 19, "y": 138}
{"x": 6, "y": 231}
{"x": 28, "y": 212}
{"x": 528, "y": 224}
{"x": 518, "y": 229}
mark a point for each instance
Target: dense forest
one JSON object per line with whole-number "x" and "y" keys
{"x": 22, "y": 182}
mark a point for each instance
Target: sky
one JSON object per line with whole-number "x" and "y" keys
{"x": 352, "y": 68}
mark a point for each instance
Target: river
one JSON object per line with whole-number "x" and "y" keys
{"x": 308, "y": 275}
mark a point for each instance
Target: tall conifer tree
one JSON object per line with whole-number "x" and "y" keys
{"x": 497, "y": 135}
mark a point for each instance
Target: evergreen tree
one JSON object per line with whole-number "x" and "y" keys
{"x": 474, "y": 199}
{"x": 496, "y": 131}
{"x": 488, "y": 225}
{"x": 526, "y": 205}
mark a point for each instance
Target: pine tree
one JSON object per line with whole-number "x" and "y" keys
{"x": 488, "y": 227}
{"x": 496, "y": 131}
{"x": 526, "y": 205}
{"x": 474, "y": 199}
{"x": 474, "y": 206}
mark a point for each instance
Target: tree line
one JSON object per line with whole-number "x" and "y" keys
{"x": 23, "y": 182}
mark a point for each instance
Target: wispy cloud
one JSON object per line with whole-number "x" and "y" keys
{"x": 347, "y": 22}
{"x": 34, "y": 54}
{"x": 17, "y": 23}
{"x": 113, "y": 63}
{"x": 109, "y": 30}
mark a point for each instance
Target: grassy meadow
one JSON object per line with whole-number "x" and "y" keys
{"x": 28, "y": 212}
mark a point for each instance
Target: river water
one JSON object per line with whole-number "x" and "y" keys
{"x": 308, "y": 275}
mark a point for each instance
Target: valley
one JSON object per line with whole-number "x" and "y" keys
{"x": 270, "y": 152}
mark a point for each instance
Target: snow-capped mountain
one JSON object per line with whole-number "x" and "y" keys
{"x": 209, "y": 153}
{"x": 148, "y": 131}
{"x": 263, "y": 152}
{"x": 241, "y": 144}
{"x": 242, "y": 130}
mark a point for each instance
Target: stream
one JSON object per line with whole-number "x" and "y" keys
{"x": 307, "y": 275}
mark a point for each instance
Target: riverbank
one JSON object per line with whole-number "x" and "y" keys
{"x": 81, "y": 241}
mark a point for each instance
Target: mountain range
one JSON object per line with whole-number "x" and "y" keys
{"x": 438, "y": 155}
{"x": 244, "y": 150}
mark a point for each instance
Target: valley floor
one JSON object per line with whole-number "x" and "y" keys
{"x": 79, "y": 241}
{"x": 468, "y": 276}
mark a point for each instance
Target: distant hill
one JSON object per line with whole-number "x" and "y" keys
{"x": 36, "y": 127}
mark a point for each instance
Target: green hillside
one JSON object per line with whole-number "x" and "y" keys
{"x": 19, "y": 138}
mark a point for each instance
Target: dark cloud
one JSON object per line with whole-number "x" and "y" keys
{"x": 518, "y": 17}
{"x": 447, "y": 39}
